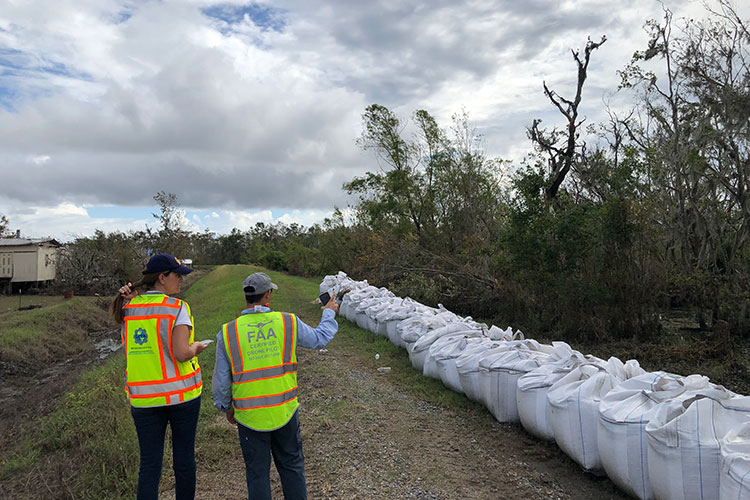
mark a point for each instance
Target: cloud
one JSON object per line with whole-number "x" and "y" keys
{"x": 67, "y": 221}
{"x": 38, "y": 159}
{"x": 244, "y": 107}
{"x": 64, "y": 221}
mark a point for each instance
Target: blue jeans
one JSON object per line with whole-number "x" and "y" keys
{"x": 285, "y": 444}
{"x": 151, "y": 426}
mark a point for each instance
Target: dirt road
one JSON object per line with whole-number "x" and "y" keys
{"x": 367, "y": 435}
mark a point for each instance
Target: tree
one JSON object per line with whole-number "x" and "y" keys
{"x": 432, "y": 209}
{"x": 232, "y": 248}
{"x": 691, "y": 133}
{"x": 100, "y": 263}
{"x": 172, "y": 236}
{"x": 714, "y": 60}
{"x": 3, "y": 226}
{"x": 559, "y": 146}
{"x": 396, "y": 196}
{"x": 170, "y": 216}
{"x": 436, "y": 183}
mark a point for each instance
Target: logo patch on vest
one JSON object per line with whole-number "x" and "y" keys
{"x": 140, "y": 336}
{"x": 258, "y": 334}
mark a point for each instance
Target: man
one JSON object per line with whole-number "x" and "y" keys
{"x": 255, "y": 384}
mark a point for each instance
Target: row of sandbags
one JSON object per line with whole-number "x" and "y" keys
{"x": 691, "y": 436}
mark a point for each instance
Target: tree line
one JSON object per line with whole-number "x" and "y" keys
{"x": 602, "y": 228}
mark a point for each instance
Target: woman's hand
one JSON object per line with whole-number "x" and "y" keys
{"x": 199, "y": 347}
{"x": 182, "y": 349}
{"x": 126, "y": 292}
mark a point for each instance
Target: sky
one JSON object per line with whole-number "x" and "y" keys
{"x": 249, "y": 112}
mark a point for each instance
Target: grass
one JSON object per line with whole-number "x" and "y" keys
{"x": 61, "y": 451}
{"x": 42, "y": 335}
{"x": 87, "y": 447}
{"x": 10, "y": 303}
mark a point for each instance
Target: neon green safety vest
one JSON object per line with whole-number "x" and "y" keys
{"x": 262, "y": 351}
{"x": 154, "y": 376}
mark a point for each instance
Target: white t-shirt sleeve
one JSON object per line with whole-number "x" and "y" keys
{"x": 183, "y": 318}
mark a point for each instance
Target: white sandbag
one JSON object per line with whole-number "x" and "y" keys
{"x": 419, "y": 350}
{"x": 684, "y": 443}
{"x": 360, "y": 312}
{"x": 381, "y": 327}
{"x": 410, "y": 309}
{"x": 531, "y": 393}
{"x": 360, "y": 317}
{"x": 487, "y": 380}
{"x": 349, "y": 288}
{"x": 370, "y": 324}
{"x": 734, "y": 479}
{"x": 425, "y": 319}
{"x": 391, "y": 328}
{"x": 440, "y": 362}
{"x": 372, "y": 310}
{"x": 392, "y": 310}
{"x": 446, "y": 361}
{"x": 350, "y": 302}
{"x": 412, "y": 326}
{"x": 333, "y": 284}
{"x": 467, "y": 366}
{"x": 354, "y": 297}
{"x": 415, "y": 327}
{"x": 430, "y": 366}
{"x": 574, "y": 410}
{"x": 499, "y": 376}
{"x": 344, "y": 306}
{"x": 377, "y": 305}
{"x": 375, "y": 299}
{"x": 496, "y": 333}
{"x": 574, "y": 406}
{"x": 327, "y": 284}
{"x": 381, "y": 314}
{"x": 624, "y": 413}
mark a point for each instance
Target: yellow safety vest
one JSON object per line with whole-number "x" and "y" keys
{"x": 154, "y": 376}
{"x": 262, "y": 351}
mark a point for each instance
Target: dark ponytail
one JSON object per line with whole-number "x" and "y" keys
{"x": 145, "y": 284}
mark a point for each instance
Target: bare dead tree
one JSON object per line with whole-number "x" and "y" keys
{"x": 560, "y": 146}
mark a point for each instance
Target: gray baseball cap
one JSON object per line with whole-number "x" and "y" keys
{"x": 258, "y": 283}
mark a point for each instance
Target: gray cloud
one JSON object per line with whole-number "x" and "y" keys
{"x": 407, "y": 50}
{"x": 250, "y": 105}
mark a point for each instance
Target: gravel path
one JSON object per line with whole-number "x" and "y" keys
{"x": 367, "y": 436}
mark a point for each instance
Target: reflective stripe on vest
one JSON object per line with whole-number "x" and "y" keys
{"x": 265, "y": 401}
{"x": 264, "y": 368}
{"x": 154, "y": 376}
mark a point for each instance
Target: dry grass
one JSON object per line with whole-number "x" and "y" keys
{"x": 10, "y": 303}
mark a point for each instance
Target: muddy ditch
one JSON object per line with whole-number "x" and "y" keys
{"x": 30, "y": 390}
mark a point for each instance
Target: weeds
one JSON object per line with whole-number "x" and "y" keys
{"x": 50, "y": 333}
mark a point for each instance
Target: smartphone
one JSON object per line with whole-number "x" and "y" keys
{"x": 324, "y": 298}
{"x": 205, "y": 342}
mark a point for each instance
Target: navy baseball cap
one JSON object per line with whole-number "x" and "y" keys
{"x": 163, "y": 262}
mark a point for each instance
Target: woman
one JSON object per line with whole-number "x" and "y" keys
{"x": 163, "y": 377}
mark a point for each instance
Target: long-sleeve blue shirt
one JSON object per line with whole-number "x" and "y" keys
{"x": 307, "y": 336}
